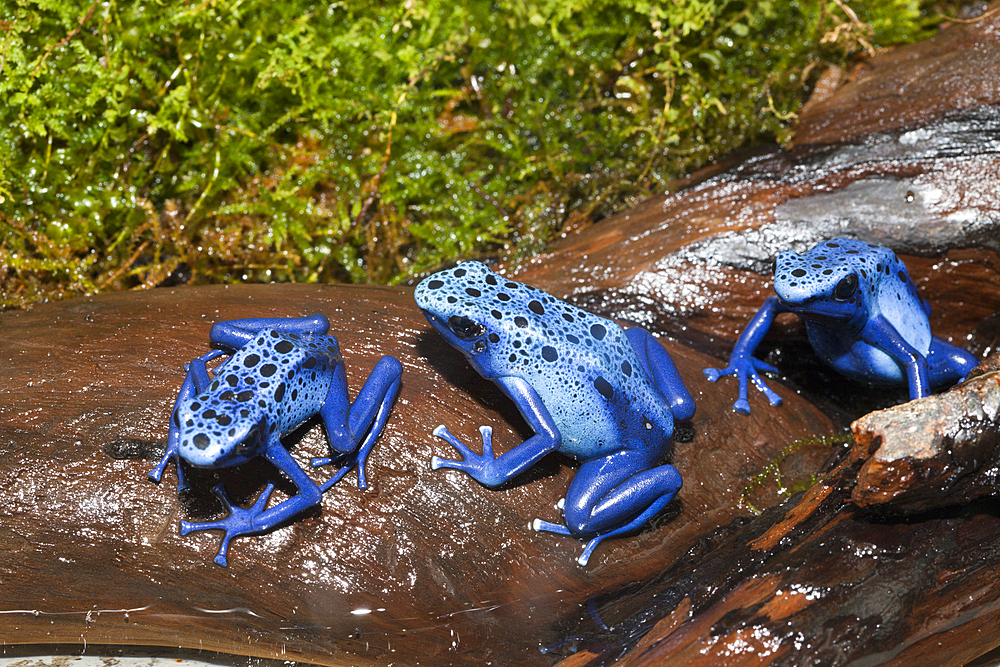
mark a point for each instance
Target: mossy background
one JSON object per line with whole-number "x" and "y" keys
{"x": 251, "y": 140}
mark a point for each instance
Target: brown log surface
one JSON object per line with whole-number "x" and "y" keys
{"x": 91, "y": 549}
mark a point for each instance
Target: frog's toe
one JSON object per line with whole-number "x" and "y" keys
{"x": 742, "y": 406}
{"x": 538, "y": 525}
{"x": 764, "y": 366}
{"x": 712, "y": 374}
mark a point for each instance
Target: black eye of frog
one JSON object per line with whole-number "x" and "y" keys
{"x": 465, "y": 328}
{"x": 846, "y": 288}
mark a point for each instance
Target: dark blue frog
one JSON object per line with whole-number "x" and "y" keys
{"x": 589, "y": 389}
{"x": 863, "y": 315}
{"x": 282, "y": 372}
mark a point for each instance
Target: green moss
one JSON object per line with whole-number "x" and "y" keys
{"x": 253, "y": 140}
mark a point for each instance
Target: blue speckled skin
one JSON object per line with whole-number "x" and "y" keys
{"x": 282, "y": 372}
{"x": 588, "y": 388}
{"x": 863, "y": 316}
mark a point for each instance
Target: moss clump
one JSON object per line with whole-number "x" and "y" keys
{"x": 233, "y": 140}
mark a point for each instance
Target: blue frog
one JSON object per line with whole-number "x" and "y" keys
{"x": 282, "y": 372}
{"x": 589, "y": 389}
{"x": 863, "y": 315}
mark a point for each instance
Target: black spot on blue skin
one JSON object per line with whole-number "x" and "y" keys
{"x": 308, "y": 364}
{"x": 214, "y": 386}
{"x": 251, "y": 361}
{"x": 189, "y": 422}
{"x": 244, "y": 396}
{"x": 503, "y": 297}
{"x": 231, "y": 380}
{"x": 274, "y": 334}
{"x": 224, "y": 420}
{"x": 798, "y": 273}
{"x": 604, "y": 387}
{"x": 208, "y": 414}
{"x": 830, "y": 244}
{"x": 520, "y": 321}
{"x": 536, "y": 307}
{"x": 512, "y": 358}
{"x": 279, "y": 393}
{"x": 196, "y": 406}
{"x": 459, "y": 273}
{"x": 491, "y": 279}
{"x": 267, "y": 370}
{"x": 512, "y": 285}
{"x": 567, "y": 317}
{"x": 284, "y": 347}
{"x": 902, "y": 276}
{"x": 549, "y": 353}
{"x": 295, "y": 394}
{"x": 496, "y": 314}
{"x": 201, "y": 441}
{"x": 517, "y": 343}
{"x": 573, "y": 339}
{"x": 627, "y": 368}
{"x": 226, "y": 396}
{"x": 472, "y": 291}
{"x": 494, "y": 338}
{"x": 598, "y": 331}
{"x": 262, "y": 403}
{"x": 435, "y": 284}
{"x": 452, "y": 299}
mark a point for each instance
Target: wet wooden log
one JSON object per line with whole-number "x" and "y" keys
{"x": 829, "y": 577}
{"x": 424, "y": 566}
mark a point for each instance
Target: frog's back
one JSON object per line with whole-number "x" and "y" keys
{"x": 280, "y": 376}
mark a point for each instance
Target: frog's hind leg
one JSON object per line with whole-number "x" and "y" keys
{"x": 659, "y": 365}
{"x": 947, "y": 363}
{"x": 235, "y": 334}
{"x": 195, "y": 381}
{"x": 257, "y": 519}
{"x": 366, "y": 417}
{"x": 614, "y": 495}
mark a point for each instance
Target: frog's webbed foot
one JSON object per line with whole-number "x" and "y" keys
{"x": 746, "y": 368}
{"x": 239, "y": 522}
{"x": 472, "y": 463}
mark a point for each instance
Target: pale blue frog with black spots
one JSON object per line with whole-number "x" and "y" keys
{"x": 596, "y": 392}
{"x": 282, "y": 372}
{"x": 864, "y": 318}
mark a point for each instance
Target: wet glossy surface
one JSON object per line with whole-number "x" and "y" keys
{"x": 422, "y": 563}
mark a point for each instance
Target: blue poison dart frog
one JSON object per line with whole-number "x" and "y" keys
{"x": 589, "y": 389}
{"x": 282, "y": 372}
{"x": 863, "y": 316}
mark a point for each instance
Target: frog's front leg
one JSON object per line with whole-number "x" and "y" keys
{"x": 743, "y": 364}
{"x": 195, "y": 381}
{"x": 613, "y": 495}
{"x": 880, "y": 333}
{"x": 491, "y": 471}
{"x": 257, "y": 519}
{"x": 366, "y": 417}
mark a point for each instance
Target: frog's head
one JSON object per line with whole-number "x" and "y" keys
{"x": 493, "y": 321}
{"x": 463, "y": 306}
{"x": 835, "y": 280}
{"x": 220, "y": 429}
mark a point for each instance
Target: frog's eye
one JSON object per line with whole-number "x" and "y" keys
{"x": 846, "y": 288}
{"x": 465, "y": 328}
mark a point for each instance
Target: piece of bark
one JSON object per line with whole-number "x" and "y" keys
{"x": 938, "y": 451}
{"x": 423, "y": 566}
{"x": 820, "y": 580}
